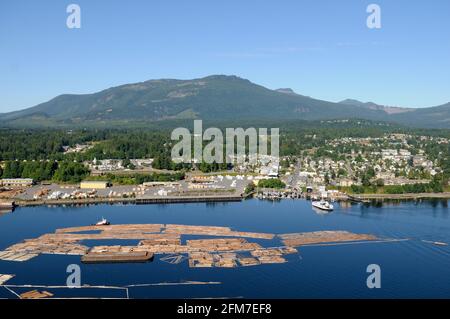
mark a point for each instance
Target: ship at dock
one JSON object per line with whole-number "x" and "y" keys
{"x": 323, "y": 205}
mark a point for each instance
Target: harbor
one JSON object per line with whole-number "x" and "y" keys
{"x": 156, "y": 250}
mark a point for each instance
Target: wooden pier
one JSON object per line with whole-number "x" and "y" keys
{"x": 137, "y": 200}
{"x": 187, "y": 199}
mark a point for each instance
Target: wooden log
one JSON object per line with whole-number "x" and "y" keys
{"x": 298, "y": 239}
{"x": 35, "y": 294}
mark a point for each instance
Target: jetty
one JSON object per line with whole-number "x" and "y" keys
{"x": 141, "y": 200}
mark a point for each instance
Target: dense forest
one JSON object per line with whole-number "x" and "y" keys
{"x": 39, "y": 153}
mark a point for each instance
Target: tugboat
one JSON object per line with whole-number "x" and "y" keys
{"x": 103, "y": 222}
{"x": 323, "y": 205}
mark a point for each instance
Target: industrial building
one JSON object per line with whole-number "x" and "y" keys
{"x": 16, "y": 182}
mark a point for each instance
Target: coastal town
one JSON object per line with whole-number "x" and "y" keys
{"x": 340, "y": 169}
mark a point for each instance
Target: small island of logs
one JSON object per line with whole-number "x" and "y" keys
{"x": 219, "y": 247}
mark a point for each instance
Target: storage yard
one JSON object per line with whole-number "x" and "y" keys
{"x": 221, "y": 247}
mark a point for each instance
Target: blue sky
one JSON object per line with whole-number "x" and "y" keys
{"x": 319, "y": 48}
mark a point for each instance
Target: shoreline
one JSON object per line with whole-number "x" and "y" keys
{"x": 205, "y": 199}
{"x": 408, "y": 196}
{"x": 137, "y": 201}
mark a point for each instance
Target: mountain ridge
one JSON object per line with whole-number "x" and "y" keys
{"x": 226, "y": 97}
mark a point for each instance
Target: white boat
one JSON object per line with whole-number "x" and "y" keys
{"x": 103, "y": 222}
{"x": 323, "y": 205}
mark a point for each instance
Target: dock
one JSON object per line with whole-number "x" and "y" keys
{"x": 188, "y": 199}
{"x": 137, "y": 200}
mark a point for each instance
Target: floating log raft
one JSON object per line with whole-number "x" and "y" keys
{"x": 173, "y": 259}
{"x": 105, "y": 235}
{"x": 46, "y": 245}
{"x": 221, "y": 244}
{"x": 206, "y": 259}
{"x": 141, "y": 228}
{"x": 269, "y": 256}
{"x": 299, "y": 239}
{"x": 227, "y": 260}
{"x": 231, "y": 259}
{"x": 116, "y": 257}
{"x": 5, "y": 278}
{"x": 201, "y": 259}
{"x": 166, "y": 239}
{"x": 35, "y": 294}
{"x": 248, "y": 261}
{"x": 16, "y": 256}
{"x": 213, "y": 231}
{"x": 220, "y": 251}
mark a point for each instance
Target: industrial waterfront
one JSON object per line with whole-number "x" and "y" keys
{"x": 412, "y": 264}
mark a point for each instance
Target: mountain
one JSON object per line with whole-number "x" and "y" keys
{"x": 286, "y": 91}
{"x": 209, "y": 98}
{"x": 431, "y": 117}
{"x": 374, "y": 106}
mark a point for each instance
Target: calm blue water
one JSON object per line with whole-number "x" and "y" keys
{"x": 408, "y": 269}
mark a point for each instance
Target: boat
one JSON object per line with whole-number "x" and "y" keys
{"x": 103, "y": 222}
{"x": 323, "y": 205}
{"x": 7, "y": 205}
{"x": 438, "y": 243}
{"x": 117, "y": 257}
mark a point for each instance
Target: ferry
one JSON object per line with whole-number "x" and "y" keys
{"x": 103, "y": 222}
{"x": 323, "y": 205}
